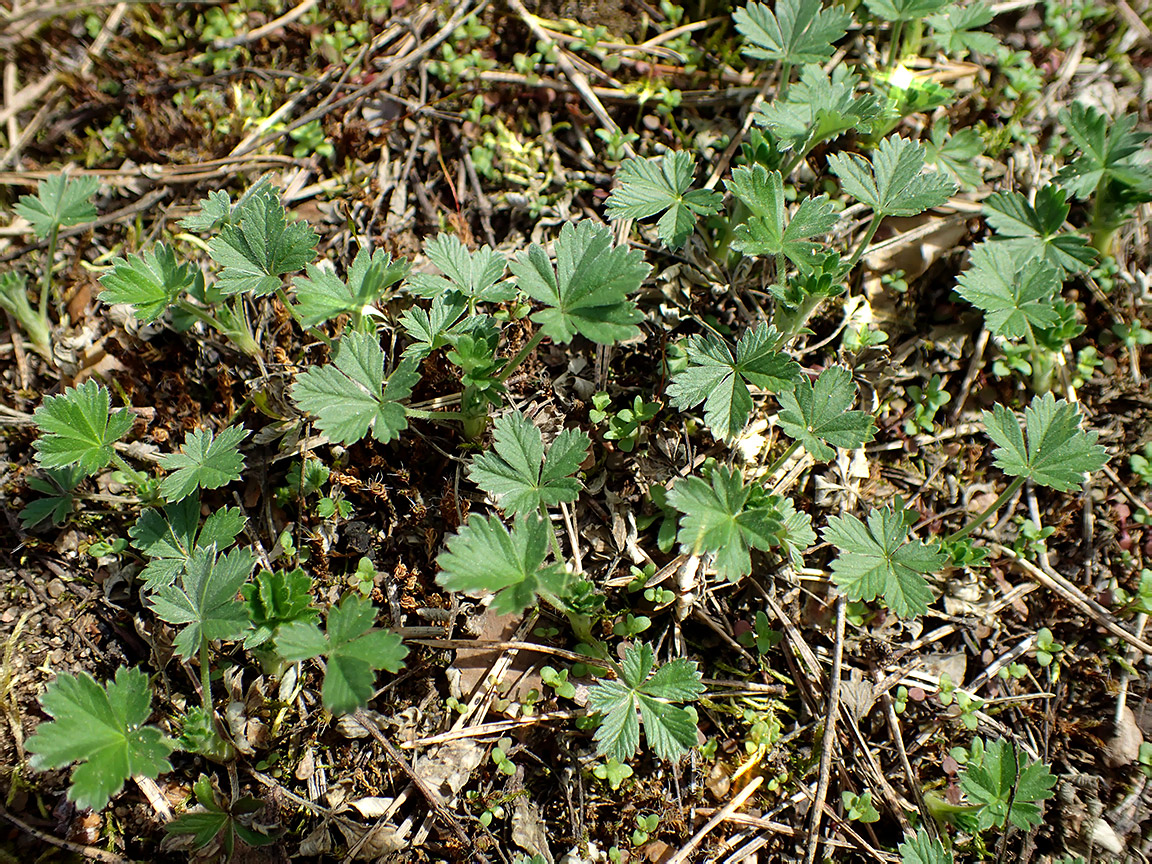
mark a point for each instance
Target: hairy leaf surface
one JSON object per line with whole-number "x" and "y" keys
{"x": 1057, "y": 453}
{"x": 587, "y": 292}
{"x": 103, "y": 728}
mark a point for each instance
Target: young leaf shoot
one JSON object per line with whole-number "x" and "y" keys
{"x": 203, "y": 599}
{"x": 669, "y": 729}
{"x": 79, "y": 428}
{"x": 258, "y": 246}
{"x": 168, "y": 539}
{"x": 323, "y": 295}
{"x": 1058, "y": 452}
{"x": 204, "y": 462}
{"x": 474, "y": 276}
{"x": 768, "y": 231}
{"x": 662, "y": 184}
{"x": 150, "y": 282}
{"x": 1007, "y": 786}
{"x": 587, "y": 292}
{"x": 60, "y": 202}
{"x": 519, "y": 475}
{"x": 1037, "y": 231}
{"x": 353, "y": 651}
{"x": 721, "y": 381}
{"x": 893, "y": 183}
{"x": 725, "y": 518}
{"x": 274, "y": 599}
{"x": 879, "y": 559}
{"x": 485, "y": 556}
{"x": 797, "y": 32}
{"x": 350, "y": 396}
{"x": 818, "y": 416}
{"x": 1016, "y": 302}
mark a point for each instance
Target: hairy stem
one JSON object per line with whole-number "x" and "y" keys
{"x": 784, "y": 457}
{"x": 521, "y": 355}
{"x": 434, "y": 416}
{"x": 239, "y": 336}
{"x": 782, "y": 81}
{"x": 894, "y": 47}
{"x": 49, "y": 260}
{"x": 205, "y": 678}
{"x": 987, "y": 514}
{"x": 868, "y": 235}
{"x": 138, "y": 478}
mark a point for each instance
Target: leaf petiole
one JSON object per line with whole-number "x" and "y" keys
{"x": 239, "y": 336}
{"x": 139, "y": 479}
{"x": 205, "y": 678}
{"x": 784, "y": 457}
{"x": 521, "y": 355}
{"x": 987, "y": 514}
{"x": 868, "y": 235}
{"x": 434, "y": 416}
{"x": 49, "y": 259}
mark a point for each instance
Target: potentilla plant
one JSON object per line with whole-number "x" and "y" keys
{"x": 784, "y": 222}
{"x": 60, "y": 202}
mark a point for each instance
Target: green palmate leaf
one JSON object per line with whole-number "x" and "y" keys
{"x": 485, "y": 556}
{"x": 725, "y": 518}
{"x": 220, "y": 819}
{"x": 721, "y": 381}
{"x": 168, "y": 539}
{"x": 954, "y": 30}
{"x": 518, "y": 474}
{"x": 923, "y": 849}
{"x": 1006, "y": 785}
{"x": 79, "y": 428}
{"x": 799, "y": 31}
{"x": 474, "y": 275}
{"x": 350, "y": 396}
{"x": 203, "y": 462}
{"x": 1031, "y": 232}
{"x": 58, "y": 485}
{"x": 59, "y": 201}
{"x": 670, "y": 729}
{"x": 878, "y": 559}
{"x": 662, "y": 185}
{"x": 150, "y": 282}
{"x": 893, "y": 183}
{"x": 587, "y": 293}
{"x": 1110, "y": 149}
{"x": 432, "y": 329}
{"x": 216, "y": 209}
{"x": 203, "y": 598}
{"x": 353, "y": 650}
{"x": 257, "y": 246}
{"x": 820, "y": 107}
{"x": 274, "y": 599}
{"x": 1015, "y": 302}
{"x": 796, "y": 534}
{"x": 769, "y": 231}
{"x": 324, "y": 295}
{"x": 1058, "y": 452}
{"x": 955, "y": 155}
{"x": 904, "y": 10}
{"x": 102, "y": 727}
{"x": 817, "y": 414}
